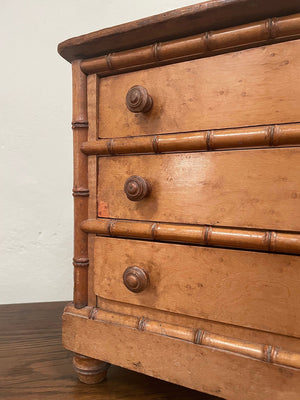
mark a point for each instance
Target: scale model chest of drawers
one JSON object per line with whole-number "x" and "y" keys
{"x": 186, "y": 197}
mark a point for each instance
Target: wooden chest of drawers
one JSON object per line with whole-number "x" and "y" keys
{"x": 186, "y": 197}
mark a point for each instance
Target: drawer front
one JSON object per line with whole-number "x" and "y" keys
{"x": 249, "y": 289}
{"x": 250, "y": 87}
{"x": 251, "y": 188}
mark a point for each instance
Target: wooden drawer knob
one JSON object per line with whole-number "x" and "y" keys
{"x": 137, "y": 188}
{"x": 136, "y": 279}
{"x": 138, "y": 100}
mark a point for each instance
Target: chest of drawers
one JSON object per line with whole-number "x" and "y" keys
{"x": 186, "y": 197}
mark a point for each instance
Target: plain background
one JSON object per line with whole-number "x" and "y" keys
{"x": 36, "y": 204}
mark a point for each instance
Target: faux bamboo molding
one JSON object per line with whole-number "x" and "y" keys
{"x": 264, "y": 136}
{"x": 80, "y": 188}
{"x": 268, "y": 241}
{"x": 205, "y": 44}
{"x": 81, "y": 192}
{"x": 80, "y": 124}
{"x": 262, "y": 352}
{"x": 80, "y": 262}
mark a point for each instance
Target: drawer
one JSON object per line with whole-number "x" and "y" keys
{"x": 257, "y": 86}
{"x": 250, "y": 188}
{"x": 249, "y": 289}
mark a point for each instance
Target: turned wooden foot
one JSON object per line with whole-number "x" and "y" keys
{"x": 90, "y": 370}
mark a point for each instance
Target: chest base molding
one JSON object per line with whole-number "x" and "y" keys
{"x": 195, "y": 352}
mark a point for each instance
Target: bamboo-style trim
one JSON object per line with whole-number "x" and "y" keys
{"x": 80, "y": 124}
{"x": 80, "y": 262}
{"x": 267, "y": 241}
{"x": 264, "y": 136}
{"x": 268, "y": 31}
{"x": 200, "y": 337}
{"x": 81, "y": 192}
{"x": 80, "y": 188}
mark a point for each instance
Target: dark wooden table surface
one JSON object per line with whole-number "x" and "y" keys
{"x": 34, "y": 365}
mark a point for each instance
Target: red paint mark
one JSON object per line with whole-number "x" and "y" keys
{"x": 103, "y": 209}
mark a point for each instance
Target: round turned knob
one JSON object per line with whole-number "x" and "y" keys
{"x": 136, "y": 279}
{"x": 137, "y": 188}
{"x": 138, "y": 99}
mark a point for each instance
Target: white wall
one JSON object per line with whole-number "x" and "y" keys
{"x": 36, "y": 204}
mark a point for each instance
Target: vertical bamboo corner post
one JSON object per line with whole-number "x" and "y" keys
{"x": 80, "y": 185}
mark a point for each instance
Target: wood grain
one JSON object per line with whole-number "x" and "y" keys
{"x": 239, "y": 377}
{"x": 210, "y": 15}
{"x": 250, "y": 87}
{"x": 232, "y": 188}
{"x": 35, "y": 366}
{"x": 230, "y": 286}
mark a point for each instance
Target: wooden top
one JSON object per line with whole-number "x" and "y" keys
{"x": 207, "y": 16}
